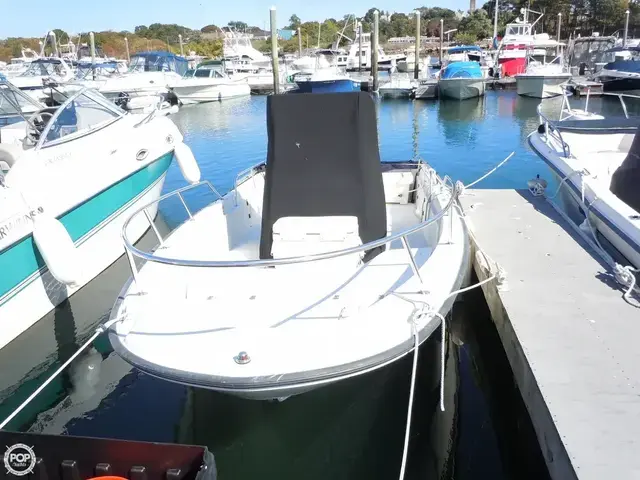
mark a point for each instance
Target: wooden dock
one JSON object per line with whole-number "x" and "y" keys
{"x": 579, "y": 86}
{"x": 570, "y": 337}
{"x": 505, "y": 83}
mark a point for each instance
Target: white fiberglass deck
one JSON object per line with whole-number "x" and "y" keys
{"x": 299, "y": 323}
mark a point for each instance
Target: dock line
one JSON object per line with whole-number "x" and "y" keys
{"x": 99, "y": 331}
{"x": 624, "y": 274}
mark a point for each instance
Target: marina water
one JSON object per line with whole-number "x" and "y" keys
{"x": 353, "y": 429}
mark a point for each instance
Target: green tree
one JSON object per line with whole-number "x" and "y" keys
{"x": 61, "y": 35}
{"x": 466, "y": 38}
{"x": 209, "y": 29}
{"x": 476, "y": 23}
{"x": 294, "y": 22}
{"x": 238, "y": 25}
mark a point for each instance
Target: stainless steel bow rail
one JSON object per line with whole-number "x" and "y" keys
{"x": 566, "y": 107}
{"x": 132, "y": 252}
{"x": 566, "y": 112}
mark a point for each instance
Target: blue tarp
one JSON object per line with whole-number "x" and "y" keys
{"x": 624, "y": 66}
{"x": 462, "y": 70}
{"x": 465, "y": 48}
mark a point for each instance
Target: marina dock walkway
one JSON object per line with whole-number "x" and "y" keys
{"x": 570, "y": 337}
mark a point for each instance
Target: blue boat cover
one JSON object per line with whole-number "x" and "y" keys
{"x": 465, "y": 48}
{"x": 632, "y": 66}
{"x": 462, "y": 70}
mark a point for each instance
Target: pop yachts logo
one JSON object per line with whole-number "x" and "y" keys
{"x": 19, "y": 459}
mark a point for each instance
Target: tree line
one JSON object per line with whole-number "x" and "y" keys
{"x": 578, "y": 17}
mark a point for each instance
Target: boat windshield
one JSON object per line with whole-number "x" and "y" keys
{"x": 15, "y": 104}
{"x": 518, "y": 29}
{"x": 157, "y": 62}
{"x": 81, "y": 114}
{"x": 88, "y": 71}
{"x": 44, "y": 68}
{"x": 592, "y": 52}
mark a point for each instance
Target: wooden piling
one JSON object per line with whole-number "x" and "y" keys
{"x": 374, "y": 50}
{"x": 416, "y": 69}
{"x": 274, "y": 51}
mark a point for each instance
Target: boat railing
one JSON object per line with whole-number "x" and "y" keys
{"x": 566, "y": 109}
{"x": 446, "y": 186}
{"x": 551, "y": 130}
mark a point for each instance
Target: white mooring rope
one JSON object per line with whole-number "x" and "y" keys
{"x": 624, "y": 275}
{"x": 99, "y": 331}
{"x": 500, "y": 275}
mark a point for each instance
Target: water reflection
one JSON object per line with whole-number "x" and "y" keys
{"x": 350, "y": 430}
{"x": 35, "y": 354}
{"x": 459, "y": 120}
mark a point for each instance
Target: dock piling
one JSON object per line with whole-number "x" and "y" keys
{"x": 181, "y": 45}
{"x": 416, "y": 68}
{"x": 374, "y": 50}
{"x": 559, "y": 27}
{"x": 441, "y": 40}
{"x": 626, "y": 28}
{"x": 92, "y": 43}
{"x": 126, "y": 46}
{"x": 359, "y": 46}
{"x": 299, "y": 43}
{"x": 274, "y": 51}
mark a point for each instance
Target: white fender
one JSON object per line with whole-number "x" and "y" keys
{"x": 187, "y": 163}
{"x": 57, "y": 249}
{"x": 85, "y": 375}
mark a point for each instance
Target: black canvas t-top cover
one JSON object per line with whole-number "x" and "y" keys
{"x": 323, "y": 160}
{"x": 625, "y": 181}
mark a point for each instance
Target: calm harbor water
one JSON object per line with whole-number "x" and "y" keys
{"x": 350, "y": 430}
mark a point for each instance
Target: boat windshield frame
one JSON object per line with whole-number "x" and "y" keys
{"x": 446, "y": 185}
{"x": 91, "y": 94}
{"x": 5, "y": 86}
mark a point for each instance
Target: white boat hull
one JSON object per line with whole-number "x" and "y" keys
{"x": 190, "y": 94}
{"x": 461, "y": 88}
{"x": 541, "y": 86}
{"x": 338, "y": 304}
{"x": 395, "y": 92}
{"x": 607, "y": 213}
{"x": 99, "y": 249}
{"x": 427, "y": 90}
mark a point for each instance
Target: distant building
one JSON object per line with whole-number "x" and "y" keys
{"x": 286, "y": 34}
{"x": 423, "y": 38}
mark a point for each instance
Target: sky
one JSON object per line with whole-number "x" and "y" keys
{"x": 75, "y": 16}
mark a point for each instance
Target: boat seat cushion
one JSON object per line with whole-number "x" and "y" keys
{"x": 298, "y": 236}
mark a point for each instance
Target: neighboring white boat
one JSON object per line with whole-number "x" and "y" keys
{"x": 69, "y": 177}
{"x": 400, "y": 86}
{"x": 427, "y": 88}
{"x": 40, "y": 72}
{"x": 597, "y": 159}
{"x": 240, "y": 55}
{"x": 150, "y": 76}
{"x": 320, "y": 265}
{"x": 20, "y": 64}
{"x": 543, "y": 79}
{"x": 356, "y": 57}
{"x": 208, "y": 83}
{"x": 408, "y": 65}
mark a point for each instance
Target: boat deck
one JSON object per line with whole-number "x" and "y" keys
{"x": 570, "y": 337}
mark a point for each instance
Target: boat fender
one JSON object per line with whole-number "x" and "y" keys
{"x": 541, "y": 128}
{"x": 187, "y": 163}
{"x": 57, "y": 249}
{"x": 85, "y": 375}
